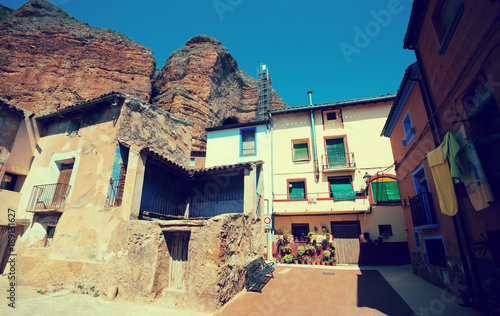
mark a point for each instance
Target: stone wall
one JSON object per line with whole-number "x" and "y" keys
{"x": 158, "y": 130}
{"x": 434, "y": 274}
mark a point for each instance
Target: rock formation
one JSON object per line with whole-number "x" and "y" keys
{"x": 203, "y": 83}
{"x": 49, "y": 60}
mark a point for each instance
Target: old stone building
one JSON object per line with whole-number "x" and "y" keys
{"x": 111, "y": 204}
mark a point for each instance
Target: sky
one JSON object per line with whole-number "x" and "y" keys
{"x": 338, "y": 49}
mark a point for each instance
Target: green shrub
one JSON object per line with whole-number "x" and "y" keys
{"x": 300, "y": 251}
{"x": 288, "y": 258}
{"x": 327, "y": 253}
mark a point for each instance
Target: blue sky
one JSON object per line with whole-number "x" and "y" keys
{"x": 338, "y": 49}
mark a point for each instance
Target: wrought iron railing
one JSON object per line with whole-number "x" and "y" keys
{"x": 203, "y": 206}
{"x": 338, "y": 161}
{"x": 112, "y": 199}
{"x": 48, "y": 196}
{"x": 422, "y": 210}
{"x": 194, "y": 207}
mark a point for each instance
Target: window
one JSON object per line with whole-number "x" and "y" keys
{"x": 446, "y": 16}
{"x": 8, "y": 181}
{"x": 248, "y": 145}
{"x": 341, "y": 189}
{"x": 336, "y": 155}
{"x": 384, "y": 189}
{"x": 332, "y": 119}
{"x": 300, "y": 151}
{"x": 408, "y": 129}
{"x": 435, "y": 250}
{"x": 346, "y": 229}
{"x": 300, "y": 231}
{"x": 297, "y": 189}
{"x": 50, "y": 235}
{"x": 385, "y": 229}
{"x": 191, "y": 162}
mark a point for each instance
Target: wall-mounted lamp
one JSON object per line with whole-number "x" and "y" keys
{"x": 366, "y": 177}
{"x": 290, "y": 185}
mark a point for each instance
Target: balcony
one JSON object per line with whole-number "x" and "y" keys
{"x": 48, "y": 198}
{"x": 165, "y": 206}
{"x": 338, "y": 162}
{"x": 422, "y": 211}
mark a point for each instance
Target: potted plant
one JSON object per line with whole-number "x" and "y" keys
{"x": 300, "y": 253}
{"x": 326, "y": 255}
{"x": 310, "y": 249}
{"x": 334, "y": 261}
{"x": 295, "y": 259}
{"x": 288, "y": 258}
{"x": 308, "y": 260}
{"x": 332, "y": 245}
{"x": 282, "y": 260}
{"x": 312, "y": 238}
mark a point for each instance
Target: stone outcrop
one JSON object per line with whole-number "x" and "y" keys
{"x": 49, "y": 60}
{"x": 203, "y": 83}
{"x": 4, "y": 12}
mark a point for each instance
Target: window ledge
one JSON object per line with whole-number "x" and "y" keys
{"x": 46, "y": 211}
{"x": 429, "y": 226}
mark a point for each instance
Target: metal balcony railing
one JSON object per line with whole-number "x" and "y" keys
{"x": 422, "y": 210}
{"x": 338, "y": 161}
{"x": 194, "y": 207}
{"x": 48, "y": 196}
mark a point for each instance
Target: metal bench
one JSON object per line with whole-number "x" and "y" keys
{"x": 257, "y": 270}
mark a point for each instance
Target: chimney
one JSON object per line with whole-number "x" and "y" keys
{"x": 310, "y": 94}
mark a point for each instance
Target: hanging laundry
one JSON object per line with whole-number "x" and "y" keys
{"x": 440, "y": 168}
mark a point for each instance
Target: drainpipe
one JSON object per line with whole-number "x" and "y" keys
{"x": 270, "y": 234}
{"x": 313, "y": 132}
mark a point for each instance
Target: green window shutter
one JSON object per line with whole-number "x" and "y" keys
{"x": 341, "y": 189}
{"x": 300, "y": 152}
{"x": 393, "y": 191}
{"x": 335, "y": 152}
{"x": 297, "y": 191}
{"x": 385, "y": 191}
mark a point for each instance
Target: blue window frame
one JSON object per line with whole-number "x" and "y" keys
{"x": 248, "y": 143}
{"x": 435, "y": 250}
{"x": 408, "y": 129}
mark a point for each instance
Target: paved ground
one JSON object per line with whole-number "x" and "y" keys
{"x": 346, "y": 290}
{"x": 295, "y": 290}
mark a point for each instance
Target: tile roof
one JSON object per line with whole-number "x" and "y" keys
{"x": 192, "y": 172}
{"x": 238, "y": 125}
{"x": 336, "y": 103}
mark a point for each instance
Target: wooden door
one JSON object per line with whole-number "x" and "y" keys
{"x": 62, "y": 185}
{"x": 346, "y": 235}
{"x": 177, "y": 243}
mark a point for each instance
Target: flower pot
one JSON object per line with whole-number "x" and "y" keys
{"x": 296, "y": 261}
{"x": 309, "y": 262}
{"x": 334, "y": 263}
{"x": 323, "y": 263}
{"x": 282, "y": 261}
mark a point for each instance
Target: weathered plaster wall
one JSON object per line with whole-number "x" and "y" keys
{"x": 218, "y": 254}
{"x": 157, "y": 129}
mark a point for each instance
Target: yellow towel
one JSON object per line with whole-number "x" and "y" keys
{"x": 444, "y": 184}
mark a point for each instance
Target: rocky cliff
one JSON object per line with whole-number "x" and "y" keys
{"x": 49, "y": 60}
{"x": 203, "y": 83}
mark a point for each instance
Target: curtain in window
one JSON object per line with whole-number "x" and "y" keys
{"x": 300, "y": 152}
{"x": 385, "y": 191}
{"x": 297, "y": 191}
{"x": 341, "y": 189}
{"x": 335, "y": 152}
{"x": 248, "y": 143}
